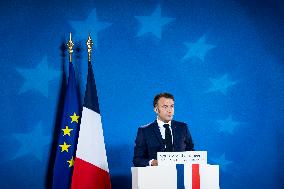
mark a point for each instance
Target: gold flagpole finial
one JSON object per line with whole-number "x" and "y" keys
{"x": 70, "y": 45}
{"x": 89, "y": 44}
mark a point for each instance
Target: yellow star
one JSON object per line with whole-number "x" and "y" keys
{"x": 64, "y": 147}
{"x": 66, "y": 131}
{"x": 74, "y": 117}
{"x": 71, "y": 162}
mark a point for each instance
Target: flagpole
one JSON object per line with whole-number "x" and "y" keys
{"x": 89, "y": 44}
{"x": 70, "y": 45}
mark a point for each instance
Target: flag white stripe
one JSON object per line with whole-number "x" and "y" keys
{"x": 188, "y": 176}
{"x": 91, "y": 146}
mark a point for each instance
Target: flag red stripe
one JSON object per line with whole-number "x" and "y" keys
{"x": 89, "y": 176}
{"x": 195, "y": 176}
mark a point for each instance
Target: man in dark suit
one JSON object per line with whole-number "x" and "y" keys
{"x": 162, "y": 135}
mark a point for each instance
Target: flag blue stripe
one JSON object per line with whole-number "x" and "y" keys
{"x": 180, "y": 176}
{"x": 91, "y": 98}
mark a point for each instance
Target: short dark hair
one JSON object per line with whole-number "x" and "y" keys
{"x": 165, "y": 95}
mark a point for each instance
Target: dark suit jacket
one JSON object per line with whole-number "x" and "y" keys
{"x": 149, "y": 141}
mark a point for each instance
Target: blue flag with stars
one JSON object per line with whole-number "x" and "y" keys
{"x": 68, "y": 135}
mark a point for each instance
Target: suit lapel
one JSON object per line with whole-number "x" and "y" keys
{"x": 157, "y": 132}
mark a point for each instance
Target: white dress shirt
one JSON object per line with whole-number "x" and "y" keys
{"x": 163, "y": 129}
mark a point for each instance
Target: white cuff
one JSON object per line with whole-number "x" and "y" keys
{"x": 150, "y": 162}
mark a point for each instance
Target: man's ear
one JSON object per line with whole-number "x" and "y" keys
{"x": 156, "y": 109}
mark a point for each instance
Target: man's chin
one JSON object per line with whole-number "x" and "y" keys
{"x": 169, "y": 119}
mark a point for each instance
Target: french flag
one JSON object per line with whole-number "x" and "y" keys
{"x": 91, "y": 167}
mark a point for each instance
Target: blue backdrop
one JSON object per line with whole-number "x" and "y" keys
{"x": 223, "y": 61}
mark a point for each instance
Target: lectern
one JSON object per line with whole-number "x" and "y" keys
{"x": 195, "y": 173}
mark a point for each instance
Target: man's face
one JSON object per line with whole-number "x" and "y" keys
{"x": 165, "y": 109}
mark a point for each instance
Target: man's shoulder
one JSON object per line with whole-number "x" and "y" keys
{"x": 148, "y": 125}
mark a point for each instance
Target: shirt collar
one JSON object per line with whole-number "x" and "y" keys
{"x": 161, "y": 123}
